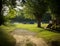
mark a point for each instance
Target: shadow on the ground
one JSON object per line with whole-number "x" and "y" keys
{"x": 54, "y": 43}
{"x": 52, "y": 30}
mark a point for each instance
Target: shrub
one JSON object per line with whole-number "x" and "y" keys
{"x": 55, "y": 43}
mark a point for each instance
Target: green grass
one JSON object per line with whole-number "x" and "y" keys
{"x": 5, "y": 38}
{"x": 30, "y": 27}
{"x": 50, "y": 36}
{"x": 46, "y": 34}
{"x": 7, "y": 28}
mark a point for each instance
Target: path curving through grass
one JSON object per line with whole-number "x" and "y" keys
{"x": 27, "y": 38}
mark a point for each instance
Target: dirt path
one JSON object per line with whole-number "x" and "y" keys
{"x": 27, "y": 38}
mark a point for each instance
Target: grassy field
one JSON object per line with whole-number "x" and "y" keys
{"x": 46, "y": 34}
{"x": 30, "y": 27}
{"x": 49, "y": 35}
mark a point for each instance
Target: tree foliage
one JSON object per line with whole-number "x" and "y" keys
{"x": 11, "y": 13}
{"x": 36, "y": 8}
{"x": 54, "y": 5}
{"x": 11, "y": 3}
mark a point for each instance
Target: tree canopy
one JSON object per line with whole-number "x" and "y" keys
{"x": 36, "y": 8}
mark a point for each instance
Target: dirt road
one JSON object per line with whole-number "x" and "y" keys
{"x": 27, "y": 38}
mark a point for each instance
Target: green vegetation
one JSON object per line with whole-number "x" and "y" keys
{"x": 11, "y": 14}
{"x": 6, "y": 39}
{"x": 37, "y": 8}
{"x": 33, "y": 7}
{"x": 31, "y": 27}
{"x": 46, "y": 34}
{"x": 51, "y": 37}
{"x": 7, "y": 28}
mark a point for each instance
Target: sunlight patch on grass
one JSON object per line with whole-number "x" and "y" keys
{"x": 48, "y": 35}
{"x": 31, "y": 27}
{"x": 44, "y": 25}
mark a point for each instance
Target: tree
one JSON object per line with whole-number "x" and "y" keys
{"x": 36, "y": 8}
{"x": 1, "y": 17}
{"x": 54, "y": 5}
{"x": 5, "y": 38}
{"x": 7, "y": 3}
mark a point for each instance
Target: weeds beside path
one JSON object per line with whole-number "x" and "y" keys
{"x": 27, "y": 38}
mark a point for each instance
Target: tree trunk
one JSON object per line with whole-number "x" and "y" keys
{"x": 0, "y": 10}
{"x": 39, "y": 23}
{"x": 1, "y": 14}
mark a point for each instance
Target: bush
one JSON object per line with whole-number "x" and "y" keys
{"x": 6, "y": 39}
